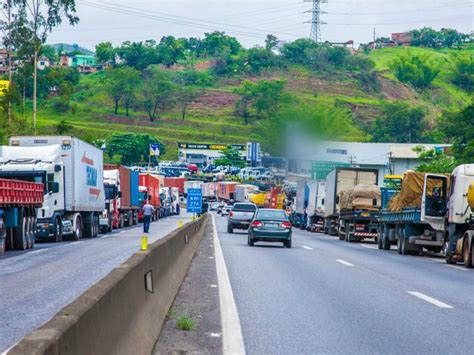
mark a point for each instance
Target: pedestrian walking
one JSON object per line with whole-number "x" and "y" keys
{"x": 148, "y": 210}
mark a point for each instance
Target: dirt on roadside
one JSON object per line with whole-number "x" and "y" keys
{"x": 197, "y": 299}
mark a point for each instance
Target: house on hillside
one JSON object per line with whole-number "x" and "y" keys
{"x": 43, "y": 63}
{"x": 3, "y": 62}
{"x": 64, "y": 60}
{"x": 401, "y": 38}
{"x": 84, "y": 63}
{"x": 349, "y": 44}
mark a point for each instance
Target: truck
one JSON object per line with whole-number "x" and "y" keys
{"x": 72, "y": 171}
{"x": 242, "y": 192}
{"x": 209, "y": 190}
{"x": 122, "y": 204}
{"x": 175, "y": 182}
{"x": 459, "y": 244}
{"x": 359, "y": 213}
{"x": 149, "y": 190}
{"x": 240, "y": 216}
{"x": 18, "y": 203}
{"x": 226, "y": 190}
{"x": 415, "y": 217}
{"x": 317, "y": 194}
{"x": 342, "y": 179}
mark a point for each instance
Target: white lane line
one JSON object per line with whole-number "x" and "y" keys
{"x": 457, "y": 267}
{"x": 37, "y": 251}
{"x": 429, "y": 299}
{"x": 307, "y": 248}
{"x": 438, "y": 260}
{"x": 343, "y": 262}
{"x": 232, "y": 338}
{"x": 368, "y": 246}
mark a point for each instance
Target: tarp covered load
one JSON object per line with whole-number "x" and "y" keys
{"x": 411, "y": 193}
{"x": 367, "y": 197}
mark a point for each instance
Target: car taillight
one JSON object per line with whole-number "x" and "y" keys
{"x": 231, "y": 214}
{"x": 286, "y": 225}
{"x": 256, "y": 224}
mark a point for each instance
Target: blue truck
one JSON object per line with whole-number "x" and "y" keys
{"x": 419, "y": 226}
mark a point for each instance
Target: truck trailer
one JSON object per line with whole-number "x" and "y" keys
{"x": 338, "y": 180}
{"x": 149, "y": 190}
{"x": 72, "y": 172}
{"x": 18, "y": 203}
{"x": 316, "y": 199}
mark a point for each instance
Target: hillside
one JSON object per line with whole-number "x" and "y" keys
{"x": 210, "y": 116}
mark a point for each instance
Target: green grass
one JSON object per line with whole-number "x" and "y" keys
{"x": 185, "y": 323}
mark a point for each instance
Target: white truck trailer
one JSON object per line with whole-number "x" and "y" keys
{"x": 72, "y": 172}
{"x": 317, "y": 194}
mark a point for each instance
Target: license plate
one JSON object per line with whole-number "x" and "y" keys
{"x": 271, "y": 225}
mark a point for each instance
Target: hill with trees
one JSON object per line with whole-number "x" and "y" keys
{"x": 214, "y": 90}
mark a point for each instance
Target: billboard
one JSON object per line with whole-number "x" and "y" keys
{"x": 4, "y": 85}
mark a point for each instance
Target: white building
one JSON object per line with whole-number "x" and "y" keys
{"x": 311, "y": 160}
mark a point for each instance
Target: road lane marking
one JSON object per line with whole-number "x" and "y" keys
{"x": 232, "y": 338}
{"x": 307, "y": 248}
{"x": 429, "y": 299}
{"x": 457, "y": 267}
{"x": 37, "y": 251}
{"x": 368, "y": 246}
{"x": 343, "y": 262}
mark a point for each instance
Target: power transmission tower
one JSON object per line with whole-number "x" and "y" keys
{"x": 316, "y": 22}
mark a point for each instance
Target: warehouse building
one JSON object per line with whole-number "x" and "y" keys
{"x": 205, "y": 154}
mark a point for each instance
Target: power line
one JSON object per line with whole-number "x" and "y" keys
{"x": 315, "y": 33}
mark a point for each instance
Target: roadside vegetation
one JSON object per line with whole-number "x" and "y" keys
{"x": 215, "y": 90}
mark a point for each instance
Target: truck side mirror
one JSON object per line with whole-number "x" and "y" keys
{"x": 119, "y": 194}
{"x": 57, "y": 168}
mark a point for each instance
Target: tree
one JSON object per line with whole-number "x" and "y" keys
{"x": 271, "y": 42}
{"x": 105, "y": 52}
{"x": 414, "y": 70}
{"x": 230, "y": 157}
{"x": 434, "y": 161}
{"x": 218, "y": 42}
{"x": 39, "y": 17}
{"x": 264, "y": 97}
{"x": 139, "y": 55}
{"x": 130, "y": 147}
{"x": 463, "y": 71}
{"x": 259, "y": 59}
{"x": 428, "y": 37}
{"x": 458, "y": 128}
{"x": 170, "y": 50}
{"x": 187, "y": 87}
{"x": 120, "y": 83}
{"x": 157, "y": 91}
{"x": 50, "y": 53}
{"x": 400, "y": 123}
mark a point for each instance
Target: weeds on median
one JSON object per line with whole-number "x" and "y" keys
{"x": 185, "y": 323}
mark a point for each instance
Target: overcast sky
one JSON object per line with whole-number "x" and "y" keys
{"x": 251, "y": 20}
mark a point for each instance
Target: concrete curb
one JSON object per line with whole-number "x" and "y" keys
{"x": 118, "y": 315}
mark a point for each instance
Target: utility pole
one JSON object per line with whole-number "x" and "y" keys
{"x": 316, "y": 22}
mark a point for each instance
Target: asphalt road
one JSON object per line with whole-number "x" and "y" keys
{"x": 36, "y": 284}
{"x": 329, "y": 296}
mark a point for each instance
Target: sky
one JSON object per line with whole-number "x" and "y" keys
{"x": 251, "y": 20}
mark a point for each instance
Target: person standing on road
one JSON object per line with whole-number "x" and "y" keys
{"x": 148, "y": 210}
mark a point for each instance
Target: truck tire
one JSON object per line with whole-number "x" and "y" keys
{"x": 3, "y": 236}
{"x": 404, "y": 250}
{"x": 78, "y": 229}
{"x": 467, "y": 252}
{"x": 57, "y": 230}
{"x": 230, "y": 229}
{"x": 109, "y": 225}
{"x": 89, "y": 225}
{"x": 399, "y": 245}
{"x": 32, "y": 231}
{"x": 447, "y": 253}
{"x": 130, "y": 218}
{"x": 20, "y": 238}
{"x": 379, "y": 242}
{"x": 121, "y": 223}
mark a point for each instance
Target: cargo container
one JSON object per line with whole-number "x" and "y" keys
{"x": 18, "y": 203}
{"x": 209, "y": 190}
{"x": 175, "y": 182}
{"x": 317, "y": 194}
{"x": 149, "y": 190}
{"x": 192, "y": 184}
{"x": 338, "y": 180}
{"x": 72, "y": 171}
{"x": 242, "y": 192}
{"x": 226, "y": 190}
{"x": 122, "y": 204}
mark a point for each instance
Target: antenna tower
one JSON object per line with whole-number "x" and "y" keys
{"x": 316, "y": 22}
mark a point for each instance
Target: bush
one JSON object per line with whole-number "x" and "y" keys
{"x": 463, "y": 73}
{"x": 60, "y": 104}
{"x": 414, "y": 70}
{"x": 185, "y": 323}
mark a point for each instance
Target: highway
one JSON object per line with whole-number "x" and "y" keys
{"x": 329, "y": 296}
{"x": 36, "y": 284}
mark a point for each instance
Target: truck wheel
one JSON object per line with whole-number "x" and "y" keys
{"x": 399, "y": 245}
{"x": 347, "y": 233}
{"x": 79, "y": 230}
{"x": 404, "y": 246}
{"x": 130, "y": 218}
{"x": 57, "y": 231}
{"x": 20, "y": 238}
{"x": 32, "y": 232}
{"x": 3, "y": 237}
{"x": 379, "y": 241}
{"x": 121, "y": 221}
{"x": 467, "y": 253}
{"x": 447, "y": 253}
{"x": 385, "y": 243}
{"x": 109, "y": 225}
{"x": 230, "y": 229}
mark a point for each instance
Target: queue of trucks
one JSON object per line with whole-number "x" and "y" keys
{"x": 80, "y": 196}
{"x": 433, "y": 212}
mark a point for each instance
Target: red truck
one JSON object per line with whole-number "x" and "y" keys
{"x": 18, "y": 203}
{"x": 226, "y": 190}
{"x": 175, "y": 182}
{"x": 149, "y": 189}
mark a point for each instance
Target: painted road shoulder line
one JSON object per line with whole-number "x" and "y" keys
{"x": 306, "y": 247}
{"x": 232, "y": 338}
{"x": 369, "y": 246}
{"x": 343, "y": 262}
{"x": 429, "y": 299}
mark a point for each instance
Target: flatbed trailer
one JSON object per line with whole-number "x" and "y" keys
{"x": 18, "y": 203}
{"x": 357, "y": 225}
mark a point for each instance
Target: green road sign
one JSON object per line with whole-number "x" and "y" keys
{"x": 322, "y": 168}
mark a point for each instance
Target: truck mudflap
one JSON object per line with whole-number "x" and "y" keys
{"x": 365, "y": 234}
{"x": 433, "y": 243}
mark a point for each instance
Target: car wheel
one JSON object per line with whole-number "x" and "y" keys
{"x": 288, "y": 243}
{"x": 250, "y": 241}
{"x": 230, "y": 229}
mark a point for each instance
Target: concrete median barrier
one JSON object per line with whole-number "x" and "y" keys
{"x": 124, "y": 312}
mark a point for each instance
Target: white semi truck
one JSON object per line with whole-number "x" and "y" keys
{"x": 72, "y": 172}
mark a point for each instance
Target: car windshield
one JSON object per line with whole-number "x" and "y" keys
{"x": 244, "y": 207}
{"x": 271, "y": 214}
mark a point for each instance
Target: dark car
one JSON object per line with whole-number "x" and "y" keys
{"x": 270, "y": 225}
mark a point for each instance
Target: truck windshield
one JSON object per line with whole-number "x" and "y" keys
{"x": 142, "y": 196}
